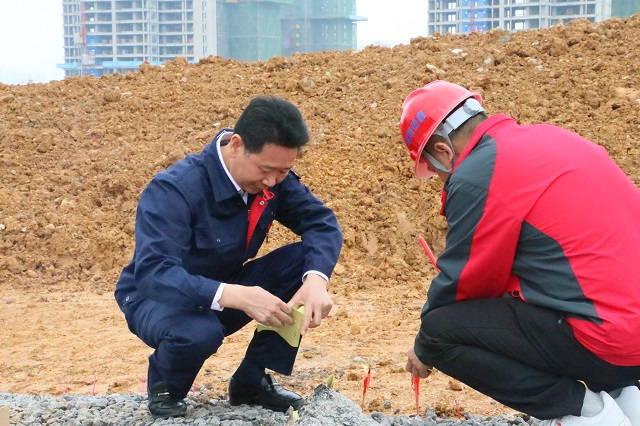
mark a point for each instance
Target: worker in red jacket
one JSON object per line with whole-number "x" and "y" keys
{"x": 537, "y": 302}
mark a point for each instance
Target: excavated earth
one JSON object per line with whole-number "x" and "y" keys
{"x": 75, "y": 155}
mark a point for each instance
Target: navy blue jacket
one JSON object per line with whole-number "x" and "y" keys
{"x": 191, "y": 229}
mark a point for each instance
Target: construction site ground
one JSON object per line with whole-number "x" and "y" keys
{"x": 75, "y": 155}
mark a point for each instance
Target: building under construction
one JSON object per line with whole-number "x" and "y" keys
{"x": 257, "y": 30}
{"x": 464, "y": 16}
{"x": 106, "y": 36}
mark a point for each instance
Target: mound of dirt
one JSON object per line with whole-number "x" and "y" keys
{"x": 75, "y": 155}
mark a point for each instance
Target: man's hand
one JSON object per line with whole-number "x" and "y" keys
{"x": 316, "y": 300}
{"x": 258, "y": 303}
{"x": 416, "y": 367}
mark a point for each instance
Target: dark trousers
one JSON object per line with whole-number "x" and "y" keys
{"x": 524, "y": 356}
{"x": 184, "y": 340}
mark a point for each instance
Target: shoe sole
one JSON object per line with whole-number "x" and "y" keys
{"x": 168, "y": 416}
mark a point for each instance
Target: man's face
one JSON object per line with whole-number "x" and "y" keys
{"x": 255, "y": 172}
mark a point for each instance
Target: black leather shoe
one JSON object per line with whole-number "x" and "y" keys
{"x": 268, "y": 394}
{"x": 162, "y": 405}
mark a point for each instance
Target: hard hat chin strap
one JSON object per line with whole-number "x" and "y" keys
{"x": 438, "y": 165}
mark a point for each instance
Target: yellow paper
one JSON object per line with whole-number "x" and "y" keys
{"x": 290, "y": 333}
{"x": 293, "y": 416}
{"x": 330, "y": 382}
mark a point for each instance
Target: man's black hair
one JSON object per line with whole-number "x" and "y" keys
{"x": 271, "y": 119}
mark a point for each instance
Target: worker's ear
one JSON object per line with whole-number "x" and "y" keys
{"x": 236, "y": 145}
{"x": 443, "y": 148}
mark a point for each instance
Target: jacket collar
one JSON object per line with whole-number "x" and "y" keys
{"x": 223, "y": 187}
{"x": 478, "y": 133}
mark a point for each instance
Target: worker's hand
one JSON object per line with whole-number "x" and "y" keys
{"x": 316, "y": 300}
{"x": 416, "y": 367}
{"x": 258, "y": 303}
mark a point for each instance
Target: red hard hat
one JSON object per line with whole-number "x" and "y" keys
{"x": 422, "y": 111}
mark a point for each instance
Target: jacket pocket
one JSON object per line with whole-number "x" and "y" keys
{"x": 216, "y": 238}
{"x": 217, "y": 251}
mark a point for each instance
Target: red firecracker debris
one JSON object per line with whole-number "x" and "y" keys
{"x": 458, "y": 409}
{"x": 426, "y": 248}
{"x": 415, "y": 381}
{"x": 367, "y": 380}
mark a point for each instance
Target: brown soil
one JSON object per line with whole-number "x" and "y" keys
{"x": 75, "y": 154}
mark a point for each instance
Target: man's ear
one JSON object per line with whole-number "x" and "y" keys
{"x": 236, "y": 145}
{"x": 444, "y": 148}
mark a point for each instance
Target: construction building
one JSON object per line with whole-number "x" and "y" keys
{"x": 254, "y": 30}
{"x": 106, "y": 36}
{"x": 624, "y": 8}
{"x": 465, "y": 16}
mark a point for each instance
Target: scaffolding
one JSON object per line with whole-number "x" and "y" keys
{"x": 624, "y": 8}
{"x": 254, "y": 30}
{"x": 325, "y": 25}
{"x": 250, "y": 30}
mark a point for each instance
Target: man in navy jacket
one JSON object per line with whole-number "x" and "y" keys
{"x": 193, "y": 280}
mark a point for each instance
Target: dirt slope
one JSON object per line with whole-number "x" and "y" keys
{"x": 75, "y": 154}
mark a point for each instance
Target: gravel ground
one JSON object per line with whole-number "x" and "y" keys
{"x": 325, "y": 407}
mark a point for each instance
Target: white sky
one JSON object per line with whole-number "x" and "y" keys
{"x": 31, "y": 34}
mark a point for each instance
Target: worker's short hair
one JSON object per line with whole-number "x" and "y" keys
{"x": 271, "y": 119}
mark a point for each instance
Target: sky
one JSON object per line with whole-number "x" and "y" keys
{"x": 31, "y": 33}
